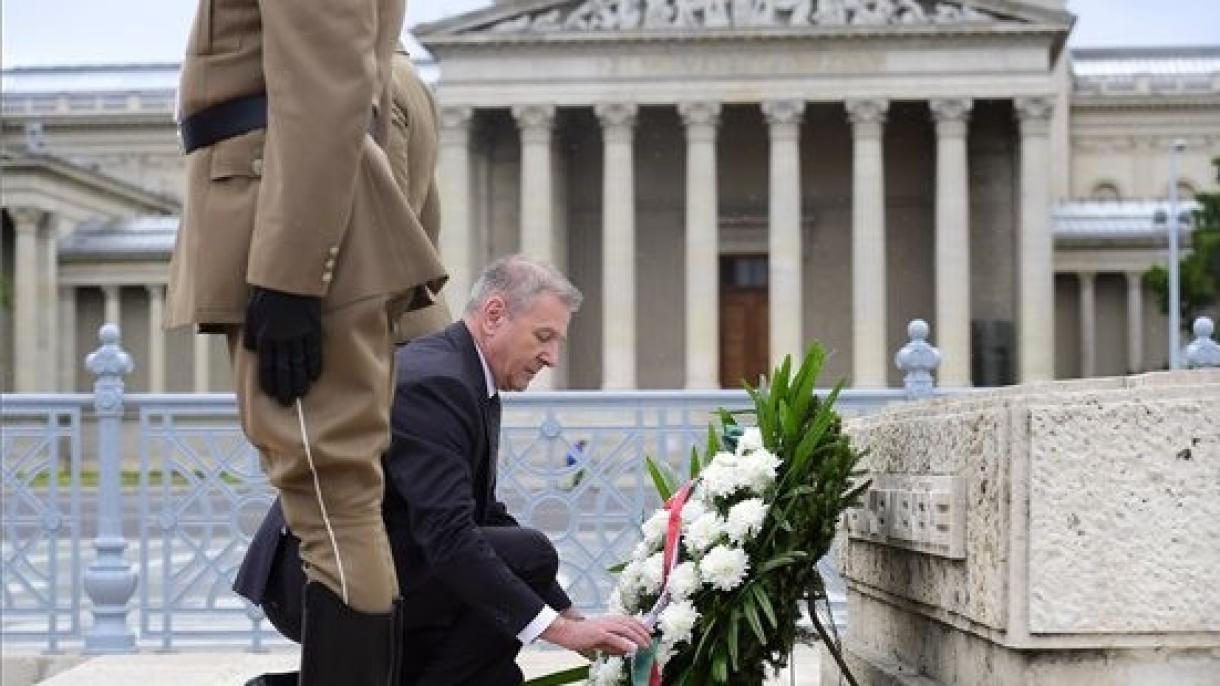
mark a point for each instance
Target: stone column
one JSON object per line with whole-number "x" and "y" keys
{"x": 952, "y": 118}
{"x": 454, "y": 184}
{"x": 1135, "y": 322}
{"x": 112, "y": 312}
{"x": 869, "y": 353}
{"x": 48, "y": 305}
{"x": 203, "y": 362}
{"x": 784, "y": 245}
{"x": 618, "y": 245}
{"x": 68, "y": 362}
{"x": 536, "y": 123}
{"x": 25, "y": 299}
{"x": 156, "y": 338}
{"x": 702, "y": 245}
{"x": 1035, "y": 253}
{"x": 1088, "y": 325}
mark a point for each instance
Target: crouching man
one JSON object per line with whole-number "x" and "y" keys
{"x": 476, "y": 586}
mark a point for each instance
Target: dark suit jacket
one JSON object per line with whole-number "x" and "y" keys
{"x": 441, "y": 481}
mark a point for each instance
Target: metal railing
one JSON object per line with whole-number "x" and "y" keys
{"x": 41, "y": 559}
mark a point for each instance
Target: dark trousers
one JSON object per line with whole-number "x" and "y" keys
{"x": 445, "y": 642}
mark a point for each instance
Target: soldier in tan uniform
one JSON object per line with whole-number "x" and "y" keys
{"x": 297, "y": 243}
{"x": 264, "y": 578}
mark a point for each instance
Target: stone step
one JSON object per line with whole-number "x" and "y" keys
{"x": 211, "y": 668}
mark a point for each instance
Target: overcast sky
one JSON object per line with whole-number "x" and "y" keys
{"x": 65, "y": 32}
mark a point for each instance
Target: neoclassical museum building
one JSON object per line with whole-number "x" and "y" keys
{"x": 726, "y": 180}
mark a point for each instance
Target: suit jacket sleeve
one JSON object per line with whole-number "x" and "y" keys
{"x": 435, "y": 422}
{"x": 256, "y": 566}
{"x": 497, "y": 515}
{"x": 320, "y": 66}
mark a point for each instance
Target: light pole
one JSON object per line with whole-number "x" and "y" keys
{"x": 1175, "y": 352}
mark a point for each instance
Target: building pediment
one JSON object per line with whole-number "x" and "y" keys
{"x": 537, "y": 19}
{"x": 54, "y": 184}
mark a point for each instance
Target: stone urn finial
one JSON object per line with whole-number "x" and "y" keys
{"x": 1203, "y": 351}
{"x": 919, "y": 359}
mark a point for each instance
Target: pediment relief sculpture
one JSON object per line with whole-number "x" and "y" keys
{"x": 632, "y": 15}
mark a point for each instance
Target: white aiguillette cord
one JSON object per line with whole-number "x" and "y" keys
{"x": 317, "y": 487}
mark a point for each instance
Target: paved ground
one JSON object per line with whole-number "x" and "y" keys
{"x": 233, "y": 668}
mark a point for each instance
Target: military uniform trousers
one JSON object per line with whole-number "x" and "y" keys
{"x": 347, "y": 422}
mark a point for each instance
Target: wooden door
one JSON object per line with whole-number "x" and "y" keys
{"x": 744, "y": 320}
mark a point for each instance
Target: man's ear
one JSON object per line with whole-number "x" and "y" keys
{"x": 495, "y": 311}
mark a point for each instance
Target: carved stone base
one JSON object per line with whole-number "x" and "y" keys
{"x": 891, "y": 646}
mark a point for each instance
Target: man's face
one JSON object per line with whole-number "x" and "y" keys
{"x": 519, "y": 345}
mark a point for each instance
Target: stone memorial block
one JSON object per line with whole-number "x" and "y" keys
{"x": 1051, "y": 534}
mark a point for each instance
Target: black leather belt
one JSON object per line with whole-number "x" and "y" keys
{"x": 230, "y": 118}
{"x": 227, "y": 119}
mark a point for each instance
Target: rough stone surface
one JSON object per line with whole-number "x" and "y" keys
{"x": 17, "y": 669}
{"x": 888, "y": 646}
{"x": 1125, "y": 514}
{"x": 968, "y": 445}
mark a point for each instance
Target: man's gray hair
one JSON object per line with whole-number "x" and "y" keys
{"x": 519, "y": 279}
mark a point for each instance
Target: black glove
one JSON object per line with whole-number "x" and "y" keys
{"x": 285, "y": 331}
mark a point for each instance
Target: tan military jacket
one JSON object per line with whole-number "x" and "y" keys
{"x": 411, "y": 147}
{"x": 309, "y": 205}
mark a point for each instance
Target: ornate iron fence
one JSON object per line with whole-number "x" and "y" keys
{"x": 40, "y": 548}
{"x": 201, "y": 497}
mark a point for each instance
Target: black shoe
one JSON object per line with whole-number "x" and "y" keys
{"x": 344, "y": 647}
{"x": 276, "y": 679}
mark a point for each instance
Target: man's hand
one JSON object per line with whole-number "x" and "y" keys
{"x": 285, "y": 331}
{"x": 613, "y": 634}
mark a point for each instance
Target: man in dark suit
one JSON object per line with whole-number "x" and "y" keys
{"x": 476, "y": 586}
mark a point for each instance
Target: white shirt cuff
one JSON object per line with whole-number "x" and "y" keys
{"x": 534, "y": 629}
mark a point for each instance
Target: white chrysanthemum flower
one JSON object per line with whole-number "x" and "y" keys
{"x": 723, "y": 477}
{"x": 642, "y": 550}
{"x": 684, "y": 581}
{"x": 677, "y": 622}
{"x": 606, "y": 672}
{"x": 629, "y": 598}
{"x": 724, "y": 567}
{"x": 724, "y": 459}
{"x": 664, "y": 652}
{"x": 629, "y": 583}
{"x": 655, "y": 528}
{"x": 758, "y": 469}
{"x": 705, "y": 531}
{"x": 745, "y": 519}
{"x": 692, "y": 510}
{"x": 751, "y": 439}
{"x": 652, "y": 573}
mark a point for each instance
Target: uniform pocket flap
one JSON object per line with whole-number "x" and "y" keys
{"x": 238, "y": 156}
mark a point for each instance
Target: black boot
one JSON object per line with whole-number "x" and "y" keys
{"x": 276, "y": 679}
{"x": 344, "y": 647}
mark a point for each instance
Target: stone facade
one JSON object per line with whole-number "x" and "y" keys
{"x": 882, "y": 161}
{"x": 1066, "y": 490}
